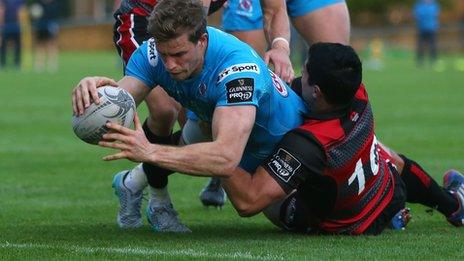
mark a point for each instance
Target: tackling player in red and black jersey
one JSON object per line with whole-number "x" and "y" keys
{"x": 332, "y": 175}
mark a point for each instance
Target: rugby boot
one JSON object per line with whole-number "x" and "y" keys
{"x": 453, "y": 182}
{"x": 164, "y": 218}
{"x": 129, "y": 215}
{"x": 213, "y": 194}
{"x": 401, "y": 219}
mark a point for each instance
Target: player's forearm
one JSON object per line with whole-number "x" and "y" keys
{"x": 276, "y": 23}
{"x": 251, "y": 193}
{"x": 244, "y": 193}
{"x": 201, "y": 159}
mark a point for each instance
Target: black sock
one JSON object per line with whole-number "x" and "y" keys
{"x": 175, "y": 137}
{"x": 422, "y": 188}
{"x": 157, "y": 177}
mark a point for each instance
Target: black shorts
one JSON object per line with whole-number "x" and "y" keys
{"x": 304, "y": 220}
{"x": 396, "y": 204}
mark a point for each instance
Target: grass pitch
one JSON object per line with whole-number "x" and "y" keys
{"x": 56, "y": 200}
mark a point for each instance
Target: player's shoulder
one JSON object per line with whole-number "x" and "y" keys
{"x": 223, "y": 44}
{"x": 215, "y": 32}
{"x": 232, "y": 60}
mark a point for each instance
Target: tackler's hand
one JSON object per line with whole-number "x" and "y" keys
{"x": 280, "y": 58}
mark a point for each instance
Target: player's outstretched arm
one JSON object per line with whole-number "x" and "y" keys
{"x": 231, "y": 128}
{"x": 250, "y": 194}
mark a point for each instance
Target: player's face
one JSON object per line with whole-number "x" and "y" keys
{"x": 182, "y": 58}
{"x": 307, "y": 89}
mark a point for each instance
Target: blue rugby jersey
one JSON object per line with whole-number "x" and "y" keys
{"x": 233, "y": 75}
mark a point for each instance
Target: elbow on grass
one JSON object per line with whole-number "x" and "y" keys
{"x": 246, "y": 210}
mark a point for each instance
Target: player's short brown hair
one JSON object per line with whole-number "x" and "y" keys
{"x": 172, "y": 18}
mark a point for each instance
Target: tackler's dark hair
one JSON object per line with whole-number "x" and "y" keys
{"x": 336, "y": 69}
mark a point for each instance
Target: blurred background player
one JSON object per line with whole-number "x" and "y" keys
{"x": 426, "y": 13}
{"x": 45, "y": 14}
{"x": 375, "y": 55}
{"x": 10, "y": 30}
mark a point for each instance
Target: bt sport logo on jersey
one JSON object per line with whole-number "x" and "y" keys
{"x": 237, "y": 68}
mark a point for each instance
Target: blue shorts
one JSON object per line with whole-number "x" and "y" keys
{"x": 191, "y": 115}
{"x": 242, "y": 15}
{"x": 246, "y": 15}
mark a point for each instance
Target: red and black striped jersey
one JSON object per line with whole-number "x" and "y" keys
{"x": 336, "y": 161}
{"x": 144, "y": 7}
{"x": 138, "y": 7}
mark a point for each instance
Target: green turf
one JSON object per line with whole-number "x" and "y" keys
{"x": 56, "y": 200}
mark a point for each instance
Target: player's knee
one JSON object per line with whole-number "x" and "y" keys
{"x": 163, "y": 111}
{"x": 398, "y": 160}
{"x": 162, "y": 108}
{"x": 167, "y": 115}
{"x": 161, "y": 119}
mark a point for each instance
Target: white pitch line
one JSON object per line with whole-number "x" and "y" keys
{"x": 143, "y": 251}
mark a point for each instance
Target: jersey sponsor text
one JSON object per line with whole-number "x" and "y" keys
{"x": 240, "y": 90}
{"x": 284, "y": 164}
{"x": 237, "y": 68}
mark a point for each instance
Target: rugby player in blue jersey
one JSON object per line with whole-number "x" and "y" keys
{"x": 130, "y": 31}
{"x": 245, "y": 106}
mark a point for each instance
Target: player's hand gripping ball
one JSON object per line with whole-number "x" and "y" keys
{"x": 116, "y": 105}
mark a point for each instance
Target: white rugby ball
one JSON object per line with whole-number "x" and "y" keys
{"x": 116, "y": 105}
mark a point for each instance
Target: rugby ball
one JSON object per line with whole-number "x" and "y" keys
{"x": 116, "y": 105}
